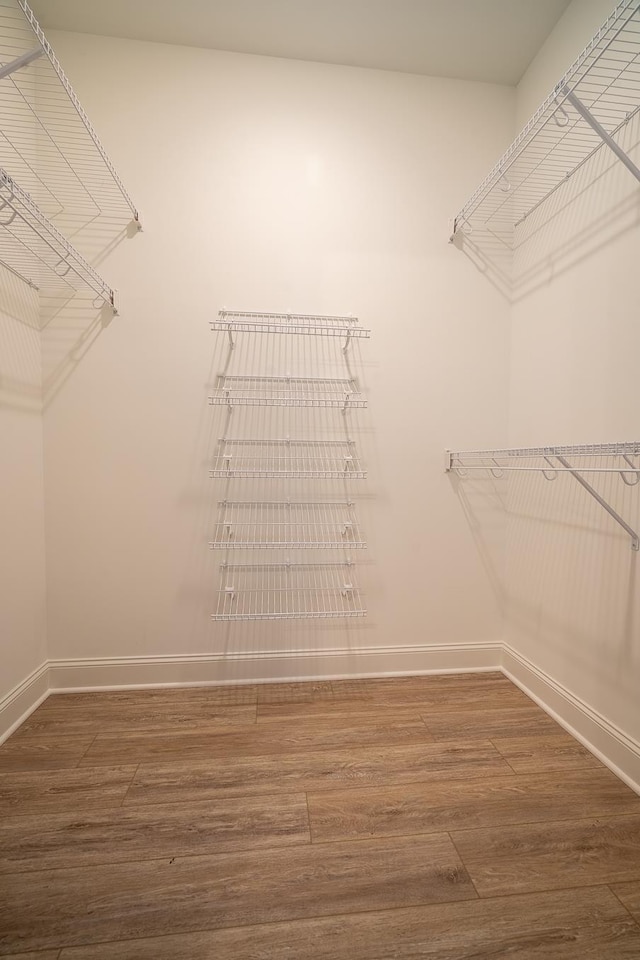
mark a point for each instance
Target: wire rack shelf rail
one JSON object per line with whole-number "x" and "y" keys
{"x": 279, "y": 459}
{"x": 288, "y": 591}
{"x": 288, "y": 392}
{"x": 586, "y": 110}
{"x": 274, "y": 524}
{"x": 237, "y": 321}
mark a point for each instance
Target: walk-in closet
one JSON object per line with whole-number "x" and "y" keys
{"x": 320, "y": 469}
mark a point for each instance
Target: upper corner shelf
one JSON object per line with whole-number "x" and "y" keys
{"x": 586, "y": 110}
{"x": 239, "y": 321}
{"x": 56, "y": 179}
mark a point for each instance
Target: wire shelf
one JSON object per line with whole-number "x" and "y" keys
{"x": 505, "y": 459}
{"x": 237, "y": 321}
{"x": 47, "y": 141}
{"x": 304, "y": 459}
{"x": 283, "y": 591}
{"x": 32, "y": 248}
{"x": 559, "y": 139}
{"x": 271, "y": 524}
{"x": 287, "y": 392}
{"x": 620, "y": 458}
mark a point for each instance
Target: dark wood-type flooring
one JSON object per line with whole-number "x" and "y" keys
{"x": 442, "y": 817}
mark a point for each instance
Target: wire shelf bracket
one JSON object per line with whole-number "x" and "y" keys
{"x": 587, "y": 109}
{"x": 23, "y": 61}
{"x": 552, "y": 461}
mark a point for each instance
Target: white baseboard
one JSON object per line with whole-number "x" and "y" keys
{"x": 617, "y": 750}
{"x": 16, "y": 706}
{"x": 279, "y": 665}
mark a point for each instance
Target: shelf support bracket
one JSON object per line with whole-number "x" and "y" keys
{"x": 19, "y": 62}
{"x": 635, "y": 539}
{"x": 584, "y": 112}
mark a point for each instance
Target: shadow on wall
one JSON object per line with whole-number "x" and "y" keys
{"x": 47, "y": 325}
{"x": 571, "y": 581}
{"x": 597, "y": 203}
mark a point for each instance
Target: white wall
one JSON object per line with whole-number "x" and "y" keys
{"x": 22, "y": 570}
{"x": 573, "y": 581}
{"x": 269, "y": 184}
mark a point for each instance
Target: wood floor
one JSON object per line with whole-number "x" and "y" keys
{"x": 443, "y": 817}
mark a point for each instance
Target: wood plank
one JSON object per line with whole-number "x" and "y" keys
{"x": 269, "y": 774}
{"x": 54, "y": 791}
{"x": 489, "y": 723}
{"x": 577, "y": 925}
{"x": 230, "y": 695}
{"x": 424, "y": 808}
{"x": 328, "y": 733}
{"x": 543, "y": 754}
{"x": 46, "y": 955}
{"x": 51, "y": 841}
{"x": 549, "y": 856}
{"x": 119, "y": 901}
{"x": 42, "y": 753}
{"x": 399, "y": 688}
{"x": 629, "y": 894}
{"x": 300, "y": 692}
{"x": 118, "y": 718}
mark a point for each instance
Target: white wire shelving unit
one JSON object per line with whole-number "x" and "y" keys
{"x": 622, "y": 459}
{"x": 288, "y": 459}
{"x": 275, "y": 521}
{"x": 587, "y": 111}
{"x": 288, "y": 392}
{"x": 275, "y": 524}
{"x": 58, "y": 181}
{"x": 288, "y": 591}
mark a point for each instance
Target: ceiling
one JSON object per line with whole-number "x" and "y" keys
{"x": 488, "y": 40}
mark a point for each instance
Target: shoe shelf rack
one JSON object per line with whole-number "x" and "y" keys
{"x": 275, "y": 522}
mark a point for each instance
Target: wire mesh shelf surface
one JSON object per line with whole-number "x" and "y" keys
{"x": 47, "y": 141}
{"x": 283, "y": 591}
{"x": 272, "y": 524}
{"x": 287, "y": 392}
{"x": 297, "y": 323}
{"x": 559, "y": 139}
{"x": 305, "y": 459}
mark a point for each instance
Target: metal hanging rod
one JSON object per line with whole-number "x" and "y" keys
{"x": 287, "y": 392}
{"x": 288, "y": 591}
{"x": 279, "y": 459}
{"x": 293, "y": 524}
{"x": 586, "y": 110}
{"x": 36, "y": 250}
{"x": 551, "y": 461}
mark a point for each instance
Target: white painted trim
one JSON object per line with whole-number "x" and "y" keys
{"x": 278, "y": 665}
{"x": 16, "y": 705}
{"x": 616, "y": 749}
